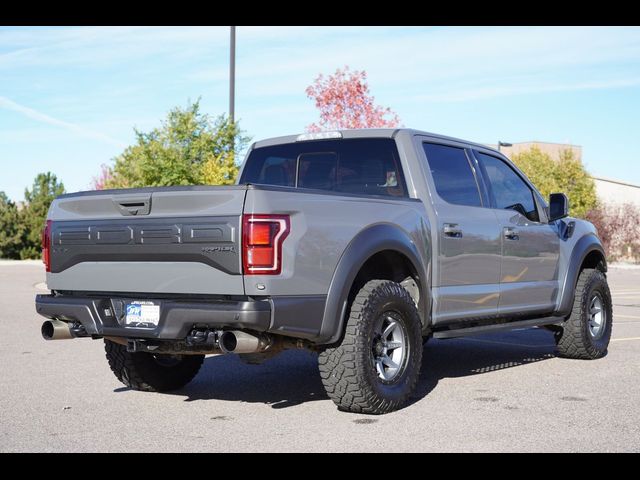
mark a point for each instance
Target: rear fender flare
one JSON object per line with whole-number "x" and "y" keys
{"x": 363, "y": 246}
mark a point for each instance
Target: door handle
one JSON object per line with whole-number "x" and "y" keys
{"x": 511, "y": 233}
{"x": 452, "y": 230}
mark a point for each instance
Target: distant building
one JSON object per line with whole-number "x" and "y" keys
{"x": 616, "y": 191}
{"x": 551, "y": 149}
{"x": 608, "y": 190}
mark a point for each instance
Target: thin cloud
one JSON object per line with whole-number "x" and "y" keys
{"x": 44, "y": 118}
{"x": 479, "y": 93}
{"x": 439, "y": 57}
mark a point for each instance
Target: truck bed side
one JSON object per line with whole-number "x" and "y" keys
{"x": 323, "y": 226}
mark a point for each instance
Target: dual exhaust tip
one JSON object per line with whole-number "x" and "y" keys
{"x": 236, "y": 341}
{"x": 230, "y": 341}
{"x": 56, "y": 330}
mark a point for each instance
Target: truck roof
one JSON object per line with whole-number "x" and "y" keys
{"x": 369, "y": 133}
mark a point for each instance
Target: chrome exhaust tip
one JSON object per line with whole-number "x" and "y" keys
{"x": 236, "y": 341}
{"x": 56, "y": 330}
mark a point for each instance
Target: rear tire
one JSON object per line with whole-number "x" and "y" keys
{"x": 151, "y": 373}
{"x": 376, "y": 366}
{"x": 586, "y": 333}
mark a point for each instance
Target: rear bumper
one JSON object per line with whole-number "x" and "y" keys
{"x": 105, "y": 316}
{"x": 294, "y": 316}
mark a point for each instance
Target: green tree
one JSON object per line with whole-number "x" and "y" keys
{"x": 32, "y": 217}
{"x": 10, "y": 228}
{"x": 189, "y": 148}
{"x": 564, "y": 174}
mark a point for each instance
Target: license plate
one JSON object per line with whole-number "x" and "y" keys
{"x": 142, "y": 314}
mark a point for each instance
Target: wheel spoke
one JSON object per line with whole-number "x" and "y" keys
{"x": 390, "y": 328}
{"x": 389, "y": 347}
{"x": 388, "y": 362}
{"x": 597, "y": 316}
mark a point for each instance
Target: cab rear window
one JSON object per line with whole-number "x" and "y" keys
{"x": 360, "y": 166}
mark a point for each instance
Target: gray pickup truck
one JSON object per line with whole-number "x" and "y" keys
{"x": 359, "y": 245}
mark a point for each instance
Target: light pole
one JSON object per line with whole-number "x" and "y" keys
{"x": 504, "y": 144}
{"x": 232, "y": 74}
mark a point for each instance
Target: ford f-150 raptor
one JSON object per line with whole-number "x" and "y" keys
{"x": 357, "y": 244}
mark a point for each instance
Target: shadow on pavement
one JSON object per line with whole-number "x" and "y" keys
{"x": 292, "y": 378}
{"x": 289, "y": 379}
{"x": 462, "y": 357}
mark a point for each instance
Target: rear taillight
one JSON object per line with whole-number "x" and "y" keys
{"x": 46, "y": 246}
{"x": 262, "y": 237}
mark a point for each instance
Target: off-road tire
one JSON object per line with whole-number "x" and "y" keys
{"x": 575, "y": 339}
{"x": 149, "y": 373}
{"x": 348, "y": 371}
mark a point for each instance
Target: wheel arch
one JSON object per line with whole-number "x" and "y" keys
{"x": 587, "y": 253}
{"x": 376, "y": 246}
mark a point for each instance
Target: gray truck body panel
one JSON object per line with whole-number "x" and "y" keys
{"x": 146, "y": 277}
{"x": 181, "y": 241}
{"x": 319, "y": 237}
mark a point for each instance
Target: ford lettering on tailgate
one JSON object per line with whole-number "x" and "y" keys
{"x": 210, "y": 240}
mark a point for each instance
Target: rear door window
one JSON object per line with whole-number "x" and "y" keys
{"x": 452, "y": 174}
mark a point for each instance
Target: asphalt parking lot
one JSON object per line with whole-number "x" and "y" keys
{"x": 498, "y": 392}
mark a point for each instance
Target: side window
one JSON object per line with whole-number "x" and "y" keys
{"x": 452, "y": 174}
{"x": 509, "y": 190}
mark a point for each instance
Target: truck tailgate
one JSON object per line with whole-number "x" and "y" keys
{"x": 174, "y": 240}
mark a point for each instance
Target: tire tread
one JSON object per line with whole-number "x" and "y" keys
{"x": 341, "y": 367}
{"x": 574, "y": 340}
{"x": 139, "y": 372}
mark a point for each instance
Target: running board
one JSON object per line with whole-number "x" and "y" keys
{"x": 496, "y": 327}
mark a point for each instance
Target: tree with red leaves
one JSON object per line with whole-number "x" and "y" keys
{"x": 344, "y": 102}
{"x": 102, "y": 180}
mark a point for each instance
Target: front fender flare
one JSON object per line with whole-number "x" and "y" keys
{"x": 583, "y": 247}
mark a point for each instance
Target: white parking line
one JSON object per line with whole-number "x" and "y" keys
{"x": 628, "y": 339}
{"x": 635, "y": 317}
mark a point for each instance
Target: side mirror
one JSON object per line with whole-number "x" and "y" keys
{"x": 558, "y": 206}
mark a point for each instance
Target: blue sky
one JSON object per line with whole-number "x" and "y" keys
{"x": 70, "y": 97}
